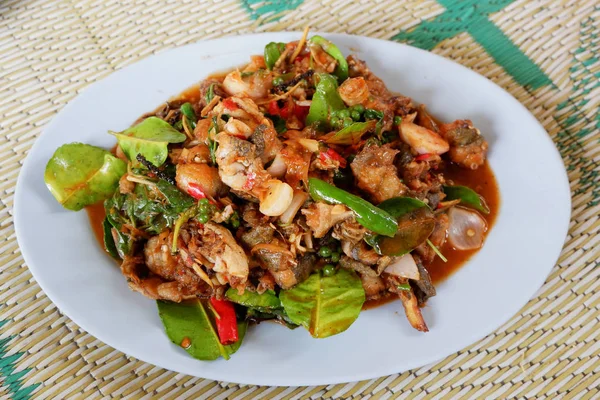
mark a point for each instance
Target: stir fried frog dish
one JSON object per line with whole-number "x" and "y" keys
{"x": 297, "y": 189}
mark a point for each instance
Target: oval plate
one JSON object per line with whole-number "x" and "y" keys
{"x": 62, "y": 254}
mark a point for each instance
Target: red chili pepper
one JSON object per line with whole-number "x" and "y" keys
{"x": 331, "y": 154}
{"x": 230, "y": 104}
{"x": 423, "y": 157}
{"x": 227, "y": 321}
{"x": 287, "y": 110}
{"x": 301, "y": 112}
{"x": 196, "y": 191}
{"x": 274, "y": 108}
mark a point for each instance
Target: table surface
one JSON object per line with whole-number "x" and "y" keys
{"x": 545, "y": 53}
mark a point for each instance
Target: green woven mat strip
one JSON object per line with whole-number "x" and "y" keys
{"x": 545, "y": 53}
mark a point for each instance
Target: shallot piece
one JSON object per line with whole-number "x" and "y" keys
{"x": 404, "y": 267}
{"x": 467, "y": 228}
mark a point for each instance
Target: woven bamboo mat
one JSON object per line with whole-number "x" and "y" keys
{"x": 543, "y": 52}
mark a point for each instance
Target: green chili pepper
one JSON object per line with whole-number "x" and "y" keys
{"x": 367, "y": 214}
{"x": 325, "y": 100}
{"x": 341, "y": 70}
{"x": 187, "y": 110}
{"x": 272, "y": 53}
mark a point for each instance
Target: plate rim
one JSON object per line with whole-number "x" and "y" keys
{"x": 459, "y": 344}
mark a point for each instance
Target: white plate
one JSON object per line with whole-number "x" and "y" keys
{"x": 85, "y": 284}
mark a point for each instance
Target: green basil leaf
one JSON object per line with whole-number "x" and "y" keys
{"x": 266, "y": 301}
{"x": 149, "y": 138}
{"x": 258, "y": 314}
{"x": 78, "y": 175}
{"x": 350, "y": 134}
{"x": 187, "y": 110}
{"x": 325, "y": 305}
{"x": 177, "y": 199}
{"x": 415, "y": 224}
{"x": 467, "y": 196}
{"x": 192, "y": 320}
{"x": 109, "y": 242}
{"x": 414, "y": 227}
{"x": 278, "y": 123}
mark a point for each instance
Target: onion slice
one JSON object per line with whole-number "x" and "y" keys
{"x": 467, "y": 228}
{"x": 404, "y": 267}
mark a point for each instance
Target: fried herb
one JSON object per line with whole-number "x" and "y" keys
{"x": 155, "y": 170}
{"x": 282, "y": 87}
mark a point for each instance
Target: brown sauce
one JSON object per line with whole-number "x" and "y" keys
{"x": 96, "y": 216}
{"x": 379, "y": 302}
{"x": 191, "y": 95}
{"x": 483, "y": 181}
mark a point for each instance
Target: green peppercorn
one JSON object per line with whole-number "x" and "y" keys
{"x": 324, "y": 251}
{"x": 202, "y": 218}
{"x": 397, "y": 120}
{"x": 234, "y": 220}
{"x": 335, "y": 120}
{"x": 328, "y": 270}
{"x": 277, "y": 81}
{"x": 355, "y": 115}
{"x": 359, "y": 108}
{"x": 344, "y": 113}
{"x": 347, "y": 122}
{"x": 335, "y": 257}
